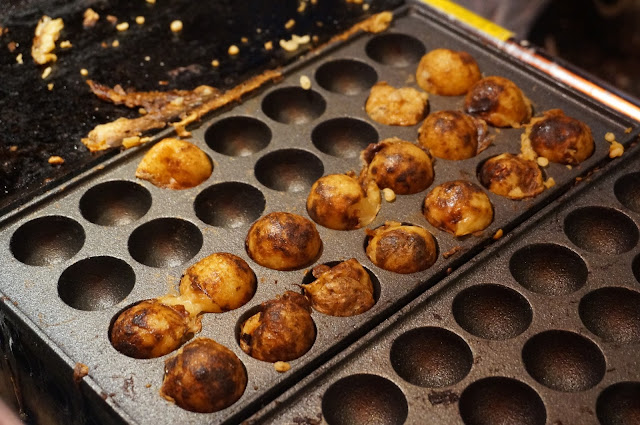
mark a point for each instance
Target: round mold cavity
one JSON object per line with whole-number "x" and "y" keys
{"x": 229, "y": 205}
{"x": 619, "y": 404}
{"x": 501, "y": 401}
{"x": 364, "y": 399}
{"x": 308, "y": 278}
{"x": 563, "y": 361}
{"x": 627, "y": 190}
{"x": 397, "y": 50}
{"x": 289, "y": 170}
{"x": 613, "y": 314}
{"x": 165, "y": 242}
{"x": 492, "y": 311}
{"x": 601, "y": 230}
{"x": 431, "y": 357}
{"x": 238, "y": 136}
{"x": 47, "y": 240}
{"x": 96, "y": 283}
{"x": 548, "y": 269}
{"x": 346, "y": 76}
{"x": 343, "y": 137}
{"x": 293, "y": 105}
{"x": 115, "y": 203}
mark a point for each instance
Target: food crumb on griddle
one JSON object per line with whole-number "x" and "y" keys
{"x": 290, "y": 24}
{"x": 84, "y": 72}
{"x": 46, "y": 72}
{"x": 112, "y": 19}
{"x": 215, "y": 63}
{"x": 610, "y": 137}
{"x": 12, "y": 46}
{"x": 151, "y": 1}
{"x": 550, "y": 182}
{"x": 115, "y": 43}
{"x": 55, "y": 160}
{"x": 19, "y": 59}
{"x": 628, "y": 130}
{"x": 80, "y": 370}
{"x": 176, "y": 26}
{"x": 281, "y": 367}
{"x": 233, "y": 50}
{"x": 498, "y": 234}
{"x": 244, "y": 40}
{"x": 44, "y": 42}
{"x": 66, "y": 44}
{"x": 389, "y": 194}
{"x": 453, "y": 251}
{"x": 50, "y": 86}
{"x": 90, "y": 18}
{"x": 542, "y": 161}
{"x": 268, "y": 45}
{"x": 140, "y": 20}
{"x": 305, "y": 82}
{"x": 122, "y": 26}
{"x": 615, "y": 149}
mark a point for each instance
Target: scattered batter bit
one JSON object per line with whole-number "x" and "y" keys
{"x": 342, "y": 290}
{"x": 175, "y": 164}
{"x": 281, "y": 367}
{"x": 454, "y": 135}
{"x": 282, "y": 330}
{"x": 405, "y": 106}
{"x": 44, "y": 42}
{"x": 176, "y": 26}
{"x": 401, "y": 248}
{"x": 512, "y": 176}
{"x": 55, "y": 160}
{"x": 498, "y": 101}
{"x": 458, "y": 207}
{"x": 446, "y": 72}
{"x": 398, "y": 165}
{"x": 90, "y": 18}
{"x": 342, "y": 202}
{"x": 615, "y": 149}
{"x": 283, "y": 241}
{"x": 204, "y": 377}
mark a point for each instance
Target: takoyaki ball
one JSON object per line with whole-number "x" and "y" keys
{"x": 175, "y": 164}
{"x": 498, "y": 101}
{"x": 404, "y": 106}
{"x": 204, "y": 377}
{"x": 560, "y": 138}
{"x": 458, "y": 207}
{"x": 343, "y": 290}
{"x": 447, "y": 72}
{"x": 151, "y": 329}
{"x": 511, "y": 176}
{"x": 283, "y": 241}
{"x": 453, "y": 135}
{"x": 218, "y": 283}
{"x": 398, "y": 165}
{"x": 283, "y": 330}
{"x": 401, "y": 248}
{"x": 342, "y": 202}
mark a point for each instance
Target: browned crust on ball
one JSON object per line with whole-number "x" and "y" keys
{"x": 498, "y": 101}
{"x": 401, "y": 248}
{"x": 560, "y": 138}
{"x": 453, "y": 135}
{"x": 404, "y": 106}
{"x": 511, "y": 176}
{"x": 447, "y": 73}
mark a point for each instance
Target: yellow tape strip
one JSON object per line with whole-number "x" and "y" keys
{"x": 471, "y": 19}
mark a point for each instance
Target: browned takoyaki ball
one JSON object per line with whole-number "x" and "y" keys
{"x": 204, "y": 377}
{"x": 498, "y": 101}
{"x": 447, "y": 72}
{"x": 342, "y": 202}
{"x": 458, "y": 207}
{"x": 401, "y": 248}
{"x": 283, "y": 241}
{"x": 404, "y": 106}
{"x": 398, "y": 165}
{"x": 453, "y": 135}
{"x": 342, "y": 290}
{"x": 511, "y": 176}
{"x": 283, "y": 330}
{"x": 560, "y": 138}
{"x": 175, "y": 164}
{"x": 219, "y": 282}
{"x": 151, "y": 329}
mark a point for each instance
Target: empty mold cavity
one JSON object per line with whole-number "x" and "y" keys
{"x": 165, "y": 242}
{"x": 619, "y": 404}
{"x": 96, "y": 283}
{"x": 343, "y": 137}
{"x": 289, "y": 170}
{"x": 564, "y": 361}
{"x": 627, "y": 190}
{"x": 501, "y": 401}
{"x": 293, "y": 105}
{"x": 346, "y": 76}
{"x": 548, "y": 269}
{"x": 492, "y": 311}
{"x": 115, "y": 203}
{"x": 364, "y": 399}
{"x": 308, "y": 278}
{"x": 238, "y": 136}
{"x": 397, "y": 50}
{"x": 230, "y": 204}
{"x": 431, "y": 357}
{"x": 613, "y": 314}
{"x": 601, "y": 230}
{"x": 47, "y": 240}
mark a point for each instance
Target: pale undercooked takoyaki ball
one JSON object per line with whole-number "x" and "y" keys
{"x": 204, "y": 377}
{"x": 401, "y": 248}
{"x": 511, "y": 176}
{"x": 447, "y": 72}
{"x": 283, "y": 241}
{"x": 341, "y": 202}
{"x": 404, "y": 106}
{"x": 453, "y": 135}
{"x": 283, "y": 330}
{"x": 398, "y": 165}
{"x": 560, "y": 138}
{"x": 498, "y": 101}
{"x": 458, "y": 207}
